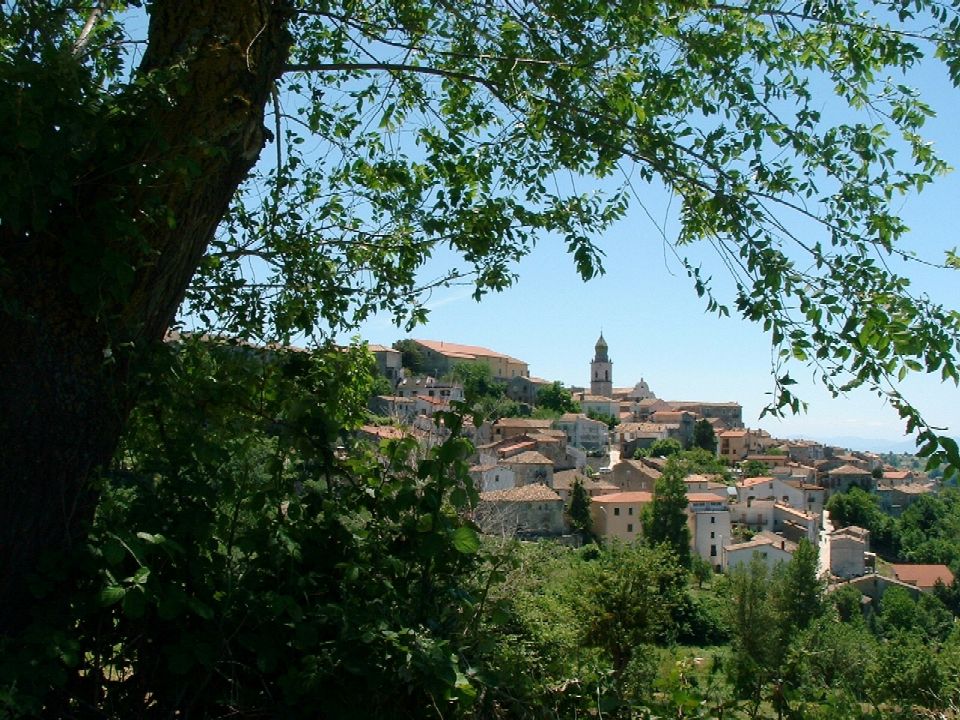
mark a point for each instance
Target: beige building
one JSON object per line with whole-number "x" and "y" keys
{"x": 506, "y": 428}
{"x": 440, "y": 357}
{"x": 842, "y": 478}
{"x": 530, "y": 468}
{"x": 634, "y": 476}
{"x": 617, "y": 516}
{"x": 563, "y": 484}
{"x": 770, "y": 548}
{"x": 529, "y": 511}
{"x": 582, "y": 431}
{"x": 848, "y": 549}
{"x": 709, "y": 521}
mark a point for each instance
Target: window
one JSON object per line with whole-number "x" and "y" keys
{"x": 629, "y": 511}
{"x": 616, "y": 511}
{"x": 629, "y": 527}
{"x": 712, "y": 535}
{"x": 713, "y": 519}
{"x": 713, "y": 551}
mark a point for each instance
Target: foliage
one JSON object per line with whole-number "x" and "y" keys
{"x": 704, "y": 437}
{"x": 238, "y": 564}
{"x": 632, "y": 600}
{"x": 754, "y": 468}
{"x": 701, "y": 462}
{"x": 610, "y": 420}
{"x": 858, "y": 507}
{"x": 411, "y": 356}
{"x": 660, "y": 448}
{"x": 665, "y": 518}
{"x": 579, "y": 510}
{"x": 799, "y": 590}
{"x": 702, "y": 570}
{"x": 557, "y": 398}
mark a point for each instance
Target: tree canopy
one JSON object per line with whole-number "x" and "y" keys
{"x": 137, "y": 188}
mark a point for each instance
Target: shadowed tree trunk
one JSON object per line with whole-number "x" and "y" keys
{"x": 85, "y": 292}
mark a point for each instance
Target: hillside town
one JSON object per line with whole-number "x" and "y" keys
{"x": 771, "y": 495}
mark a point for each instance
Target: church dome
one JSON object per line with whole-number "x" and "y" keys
{"x": 601, "y": 343}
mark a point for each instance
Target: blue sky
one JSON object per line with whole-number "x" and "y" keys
{"x": 657, "y": 327}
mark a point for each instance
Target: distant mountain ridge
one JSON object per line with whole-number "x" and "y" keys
{"x": 853, "y": 442}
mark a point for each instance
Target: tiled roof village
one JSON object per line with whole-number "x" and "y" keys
{"x": 525, "y": 468}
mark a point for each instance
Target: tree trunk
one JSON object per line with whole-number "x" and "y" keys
{"x": 86, "y": 292}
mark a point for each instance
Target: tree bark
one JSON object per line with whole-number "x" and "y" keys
{"x": 85, "y": 294}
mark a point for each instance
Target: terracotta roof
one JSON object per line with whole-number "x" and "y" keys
{"x": 534, "y": 423}
{"x": 382, "y": 348}
{"x": 564, "y": 480}
{"x": 526, "y": 493}
{"x": 705, "y": 498}
{"x": 914, "y": 488}
{"x": 923, "y": 576}
{"x": 515, "y": 447}
{"x": 698, "y": 478}
{"x": 624, "y": 497}
{"x": 463, "y": 351}
{"x": 764, "y": 539}
{"x": 733, "y": 433}
{"x": 384, "y": 432}
{"x": 848, "y": 470}
{"x": 796, "y": 512}
{"x": 530, "y": 457}
{"x": 897, "y": 474}
{"x": 754, "y": 481}
{"x": 854, "y": 531}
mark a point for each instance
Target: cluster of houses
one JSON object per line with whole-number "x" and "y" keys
{"x": 525, "y": 468}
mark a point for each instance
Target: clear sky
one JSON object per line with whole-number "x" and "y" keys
{"x": 657, "y": 327}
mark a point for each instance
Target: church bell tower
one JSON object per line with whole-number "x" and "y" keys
{"x": 601, "y": 370}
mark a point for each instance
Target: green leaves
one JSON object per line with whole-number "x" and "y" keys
{"x": 466, "y": 540}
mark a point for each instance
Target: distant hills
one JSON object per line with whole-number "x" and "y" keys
{"x": 853, "y": 442}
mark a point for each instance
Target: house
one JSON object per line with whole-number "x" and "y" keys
{"x": 848, "y": 549}
{"x": 440, "y": 357}
{"x": 709, "y": 521}
{"x": 429, "y": 387}
{"x": 617, "y": 516}
{"x": 600, "y": 405}
{"x": 771, "y": 548}
{"x": 923, "y": 577}
{"x": 897, "y": 498}
{"x": 582, "y": 431}
{"x": 530, "y": 468}
{"x": 393, "y": 406}
{"x": 805, "y": 451}
{"x": 706, "y": 484}
{"x": 505, "y": 428}
{"x": 681, "y": 420}
{"x": 635, "y": 475}
{"x": 563, "y": 484}
{"x": 840, "y": 479}
{"x": 524, "y": 389}
{"x": 643, "y": 409}
{"x": 728, "y": 415}
{"x": 895, "y": 478}
{"x": 527, "y": 511}
{"x": 632, "y": 436}
{"x": 487, "y": 478}
{"x": 733, "y": 445}
{"x": 389, "y": 362}
{"x": 796, "y": 524}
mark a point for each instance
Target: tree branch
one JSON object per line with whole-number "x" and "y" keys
{"x": 392, "y": 68}
{"x": 80, "y": 45}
